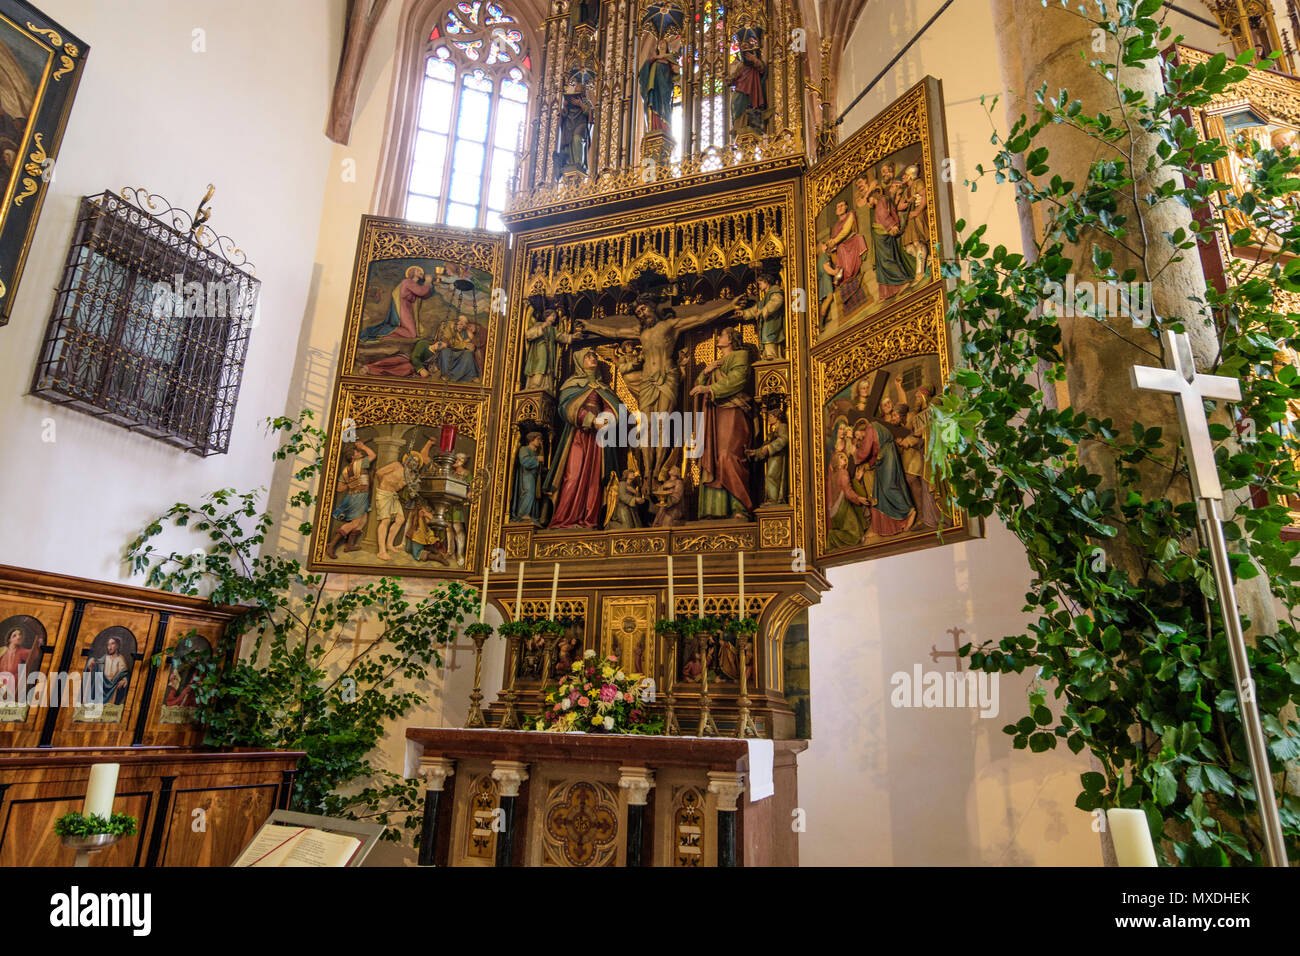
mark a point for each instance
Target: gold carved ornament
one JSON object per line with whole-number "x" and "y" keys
{"x": 35, "y": 170}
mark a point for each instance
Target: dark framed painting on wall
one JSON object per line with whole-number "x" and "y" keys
{"x": 40, "y": 67}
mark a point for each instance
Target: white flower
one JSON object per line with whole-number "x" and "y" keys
{"x": 609, "y": 723}
{"x": 620, "y": 676}
{"x": 589, "y": 654}
{"x": 565, "y": 704}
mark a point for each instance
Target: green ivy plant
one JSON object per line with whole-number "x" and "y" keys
{"x": 81, "y": 825}
{"x": 292, "y": 688}
{"x": 1134, "y": 651}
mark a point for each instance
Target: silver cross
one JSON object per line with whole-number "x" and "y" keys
{"x": 1190, "y": 390}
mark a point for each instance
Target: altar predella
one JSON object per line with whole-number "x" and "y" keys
{"x": 697, "y": 346}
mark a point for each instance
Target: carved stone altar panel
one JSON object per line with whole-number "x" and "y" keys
{"x": 581, "y": 824}
{"x": 477, "y": 838}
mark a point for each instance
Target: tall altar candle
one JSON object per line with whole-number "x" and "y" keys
{"x": 519, "y": 594}
{"x": 740, "y": 561}
{"x": 699, "y": 579}
{"x": 555, "y": 583}
{"x": 482, "y": 595}
{"x": 672, "y": 598}
{"x": 100, "y": 789}
{"x": 1132, "y": 837}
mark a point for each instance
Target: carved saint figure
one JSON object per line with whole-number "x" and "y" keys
{"x": 769, "y": 312}
{"x": 748, "y": 81}
{"x": 623, "y": 501}
{"x": 575, "y": 131}
{"x": 774, "y": 452}
{"x": 543, "y": 347}
{"x": 581, "y": 461}
{"x": 671, "y": 509}
{"x": 656, "y": 78}
{"x": 528, "y": 461}
{"x": 657, "y": 383}
{"x": 721, "y": 399}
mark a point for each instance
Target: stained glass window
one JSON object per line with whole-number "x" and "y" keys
{"x": 473, "y": 107}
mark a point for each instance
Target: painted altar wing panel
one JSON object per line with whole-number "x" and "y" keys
{"x": 878, "y": 215}
{"x": 419, "y": 351}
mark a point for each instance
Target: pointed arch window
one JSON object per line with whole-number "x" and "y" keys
{"x": 473, "y": 107}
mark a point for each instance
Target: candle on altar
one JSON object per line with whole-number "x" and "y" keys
{"x": 519, "y": 594}
{"x": 100, "y": 790}
{"x": 699, "y": 580}
{"x": 1132, "y": 837}
{"x": 447, "y": 438}
{"x": 555, "y": 583}
{"x": 740, "y": 561}
{"x": 482, "y": 595}
{"x": 672, "y": 598}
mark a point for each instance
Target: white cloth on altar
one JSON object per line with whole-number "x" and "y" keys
{"x": 761, "y": 784}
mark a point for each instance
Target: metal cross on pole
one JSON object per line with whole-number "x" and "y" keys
{"x": 1190, "y": 390}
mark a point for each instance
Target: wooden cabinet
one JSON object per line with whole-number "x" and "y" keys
{"x": 194, "y": 808}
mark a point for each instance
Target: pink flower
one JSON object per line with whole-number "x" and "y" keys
{"x": 613, "y": 658}
{"x": 608, "y": 693}
{"x": 590, "y": 671}
{"x": 583, "y": 702}
{"x": 628, "y": 697}
{"x": 556, "y": 707}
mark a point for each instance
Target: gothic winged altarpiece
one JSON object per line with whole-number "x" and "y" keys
{"x": 693, "y": 352}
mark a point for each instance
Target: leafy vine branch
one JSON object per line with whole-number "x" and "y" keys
{"x": 1123, "y": 602}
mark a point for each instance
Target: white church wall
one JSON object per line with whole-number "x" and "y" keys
{"x": 242, "y": 105}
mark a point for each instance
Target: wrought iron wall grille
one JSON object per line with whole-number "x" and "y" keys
{"x": 150, "y": 323}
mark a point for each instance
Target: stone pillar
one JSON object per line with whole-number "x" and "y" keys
{"x": 510, "y": 776}
{"x": 638, "y": 782}
{"x": 727, "y": 786}
{"x": 435, "y": 771}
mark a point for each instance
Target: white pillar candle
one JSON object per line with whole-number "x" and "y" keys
{"x": 100, "y": 789}
{"x": 672, "y": 598}
{"x": 482, "y": 601}
{"x": 519, "y": 594}
{"x": 555, "y": 583}
{"x": 699, "y": 580}
{"x": 740, "y": 562}
{"x": 1132, "y": 837}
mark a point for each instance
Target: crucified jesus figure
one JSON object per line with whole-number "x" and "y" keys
{"x": 657, "y": 383}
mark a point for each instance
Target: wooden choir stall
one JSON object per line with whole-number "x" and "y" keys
{"x": 194, "y": 806}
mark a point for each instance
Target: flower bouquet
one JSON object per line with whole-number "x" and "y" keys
{"x": 596, "y": 696}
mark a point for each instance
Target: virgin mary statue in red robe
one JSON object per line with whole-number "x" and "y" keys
{"x": 581, "y": 462}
